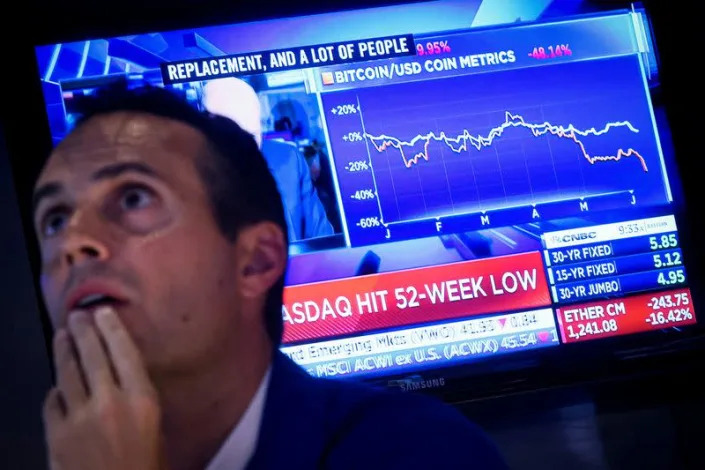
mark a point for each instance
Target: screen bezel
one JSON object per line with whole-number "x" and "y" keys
{"x": 567, "y": 363}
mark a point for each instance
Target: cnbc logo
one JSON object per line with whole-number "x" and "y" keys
{"x": 574, "y": 237}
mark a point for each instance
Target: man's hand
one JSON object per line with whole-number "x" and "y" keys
{"x": 104, "y": 412}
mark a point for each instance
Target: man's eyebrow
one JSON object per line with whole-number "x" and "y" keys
{"x": 45, "y": 191}
{"x": 117, "y": 169}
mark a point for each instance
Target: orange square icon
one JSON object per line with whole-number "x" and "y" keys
{"x": 327, "y": 78}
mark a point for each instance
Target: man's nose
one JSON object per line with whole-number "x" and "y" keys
{"x": 85, "y": 240}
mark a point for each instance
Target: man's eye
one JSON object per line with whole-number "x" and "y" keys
{"x": 53, "y": 223}
{"x": 136, "y": 197}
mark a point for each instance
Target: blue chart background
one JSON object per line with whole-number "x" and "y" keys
{"x": 517, "y": 168}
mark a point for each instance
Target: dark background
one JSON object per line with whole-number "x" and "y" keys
{"x": 645, "y": 416}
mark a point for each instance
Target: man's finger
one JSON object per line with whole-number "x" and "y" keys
{"x": 54, "y": 411}
{"x": 68, "y": 374}
{"x": 124, "y": 354}
{"x": 54, "y": 414}
{"x": 94, "y": 360}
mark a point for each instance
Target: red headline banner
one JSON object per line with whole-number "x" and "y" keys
{"x": 635, "y": 314}
{"x": 399, "y": 298}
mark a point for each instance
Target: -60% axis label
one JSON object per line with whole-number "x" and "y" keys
{"x": 369, "y": 222}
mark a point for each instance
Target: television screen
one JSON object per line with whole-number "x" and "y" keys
{"x": 461, "y": 181}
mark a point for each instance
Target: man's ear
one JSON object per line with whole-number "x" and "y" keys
{"x": 261, "y": 258}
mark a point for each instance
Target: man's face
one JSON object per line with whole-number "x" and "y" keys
{"x": 123, "y": 218}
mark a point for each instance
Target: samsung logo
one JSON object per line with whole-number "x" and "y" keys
{"x": 417, "y": 383}
{"x": 574, "y": 237}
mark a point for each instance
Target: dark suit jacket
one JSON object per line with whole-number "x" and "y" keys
{"x": 311, "y": 423}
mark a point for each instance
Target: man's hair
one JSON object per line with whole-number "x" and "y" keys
{"x": 241, "y": 189}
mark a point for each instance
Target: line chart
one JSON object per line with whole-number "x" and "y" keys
{"x": 458, "y": 153}
{"x": 460, "y": 143}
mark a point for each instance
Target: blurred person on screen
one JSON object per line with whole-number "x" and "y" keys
{"x": 305, "y": 215}
{"x": 163, "y": 246}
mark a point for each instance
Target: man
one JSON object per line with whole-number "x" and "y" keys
{"x": 164, "y": 248}
{"x": 305, "y": 215}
